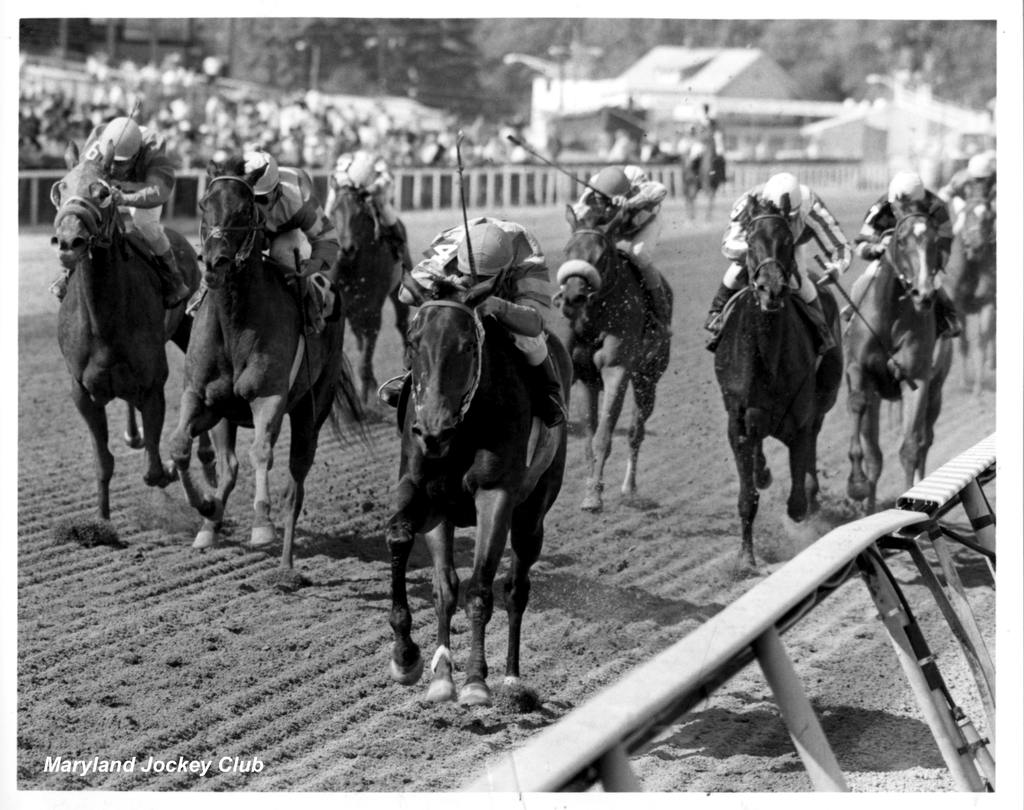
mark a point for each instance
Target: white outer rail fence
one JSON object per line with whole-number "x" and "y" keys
{"x": 490, "y": 188}
{"x": 591, "y": 744}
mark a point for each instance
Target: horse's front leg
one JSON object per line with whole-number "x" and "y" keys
{"x": 493, "y": 515}
{"x": 411, "y": 513}
{"x": 915, "y": 408}
{"x": 302, "y": 452}
{"x": 267, "y": 416}
{"x": 643, "y": 400}
{"x": 744, "y": 450}
{"x": 193, "y": 418}
{"x": 616, "y": 380}
{"x": 223, "y": 440}
{"x": 95, "y": 416}
{"x": 440, "y": 541}
{"x": 857, "y": 485}
{"x": 132, "y": 436}
{"x": 591, "y": 390}
{"x": 367, "y": 378}
{"x": 153, "y": 409}
{"x": 801, "y": 451}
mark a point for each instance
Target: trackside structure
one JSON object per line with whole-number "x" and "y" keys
{"x": 592, "y": 744}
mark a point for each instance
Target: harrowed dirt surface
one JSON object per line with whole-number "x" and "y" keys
{"x": 141, "y": 646}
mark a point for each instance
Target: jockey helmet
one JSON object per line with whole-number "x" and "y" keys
{"x": 267, "y": 181}
{"x": 362, "y": 169}
{"x": 493, "y": 250}
{"x": 125, "y": 135}
{"x": 783, "y": 191}
{"x": 612, "y": 182}
{"x": 982, "y": 166}
{"x": 906, "y": 187}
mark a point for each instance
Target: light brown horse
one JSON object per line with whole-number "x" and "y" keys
{"x": 249, "y": 364}
{"x": 972, "y": 274}
{"x": 894, "y": 353}
{"x": 112, "y": 326}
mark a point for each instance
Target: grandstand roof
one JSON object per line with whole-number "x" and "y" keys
{"x": 711, "y": 71}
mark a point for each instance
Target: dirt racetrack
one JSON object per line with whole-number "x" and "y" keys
{"x": 151, "y": 649}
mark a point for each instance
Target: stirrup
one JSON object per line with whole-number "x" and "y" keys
{"x": 59, "y": 288}
{"x": 713, "y": 322}
{"x": 389, "y": 392}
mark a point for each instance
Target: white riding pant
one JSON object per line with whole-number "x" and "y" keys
{"x": 283, "y": 246}
{"x": 147, "y": 223}
{"x": 642, "y": 247}
{"x": 535, "y": 348}
{"x": 736, "y": 276}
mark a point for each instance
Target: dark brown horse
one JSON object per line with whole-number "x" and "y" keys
{"x": 471, "y": 454}
{"x": 368, "y": 275}
{"x": 249, "y": 363}
{"x": 112, "y": 326}
{"x": 894, "y": 354}
{"x": 614, "y": 343}
{"x": 767, "y": 367}
{"x": 972, "y": 274}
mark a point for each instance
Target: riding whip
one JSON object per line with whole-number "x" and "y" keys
{"x": 874, "y": 334}
{"x": 462, "y": 198}
{"x": 554, "y": 165}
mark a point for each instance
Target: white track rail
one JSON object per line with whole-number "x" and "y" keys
{"x": 592, "y": 742}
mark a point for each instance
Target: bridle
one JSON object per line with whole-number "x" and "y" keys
{"x": 787, "y": 270}
{"x": 893, "y": 246}
{"x": 97, "y": 217}
{"x": 478, "y": 329}
{"x": 253, "y": 228}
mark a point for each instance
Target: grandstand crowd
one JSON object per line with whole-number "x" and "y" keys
{"x": 198, "y": 119}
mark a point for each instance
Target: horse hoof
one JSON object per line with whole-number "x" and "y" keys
{"x": 441, "y": 691}
{"x": 857, "y": 490}
{"x": 406, "y": 675}
{"x": 262, "y": 536}
{"x": 134, "y": 442}
{"x": 475, "y": 694}
{"x": 206, "y": 538}
{"x": 592, "y": 503}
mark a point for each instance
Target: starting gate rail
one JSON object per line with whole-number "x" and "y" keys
{"x": 592, "y": 743}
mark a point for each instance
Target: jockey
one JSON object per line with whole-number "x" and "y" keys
{"x": 628, "y": 189}
{"x": 808, "y": 219}
{"x": 977, "y": 180}
{"x": 295, "y": 220}
{"x": 370, "y": 175}
{"x": 906, "y": 195}
{"x": 499, "y": 245}
{"x": 141, "y": 178}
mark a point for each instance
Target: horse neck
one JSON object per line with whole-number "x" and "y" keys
{"x": 110, "y": 292}
{"x": 246, "y": 291}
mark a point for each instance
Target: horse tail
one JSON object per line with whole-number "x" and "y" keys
{"x": 347, "y": 414}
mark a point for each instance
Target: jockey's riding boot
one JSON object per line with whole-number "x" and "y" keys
{"x": 946, "y": 320}
{"x": 713, "y": 323}
{"x": 172, "y": 287}
{"x": 826, "y": 340}
{"x": 391, "y": 391}
{"x": 59, "y": 288}
{"x": 546, "y": 391}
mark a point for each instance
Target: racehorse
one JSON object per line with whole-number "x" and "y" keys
{"x": 249, "y": 363}
{"x": 894, "y": 354}
{"x": 471, "y": 454}
{"x": 368, "y": 273}
{"x": 702, "y": 174}
{"x": 972, "y": 272}
{"x": 767, "y": 367}
{"x": 614, "y": 342}
{"x": 112, "y": 325}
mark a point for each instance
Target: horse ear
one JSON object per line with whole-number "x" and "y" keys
{"x": 108, "y": 156}
{"x": 71, "y": 155}
{"x": 212, "y": 169}
{"x": 414, "y": 288}
{"x": 570, "y": 217}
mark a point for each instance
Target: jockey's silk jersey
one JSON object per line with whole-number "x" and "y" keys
{"x": 814, "y": 221}
{"x": 529, "y": 283}
{"x": 147, "y": 179}
{"x": 297, "y": 208}
{"x": 880, "y": 218}
{"x": 644, "y": 195}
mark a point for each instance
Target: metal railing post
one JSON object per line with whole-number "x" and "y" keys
{"x": 799, "y": 716}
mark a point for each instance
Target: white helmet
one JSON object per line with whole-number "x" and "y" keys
{"x": 362, "y": 169}
{"x": 982, "y": 166}
{"x": 783, "y": 190}
{"x": 267, "y": 181}
{"x": 125, "y": 135}
{"x": 906, "y": 187}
